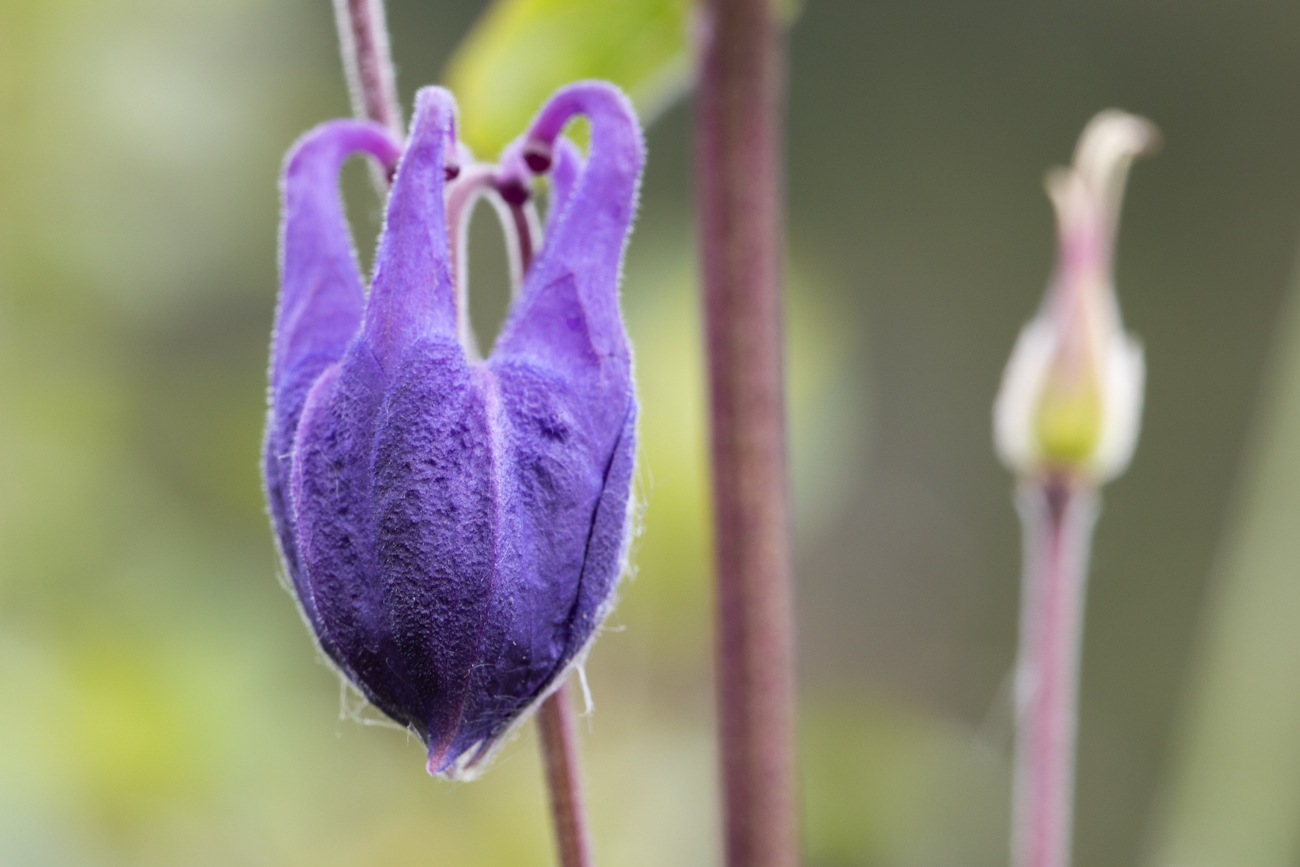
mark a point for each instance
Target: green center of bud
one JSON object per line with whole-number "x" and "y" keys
{"x": 1069, "y": 418}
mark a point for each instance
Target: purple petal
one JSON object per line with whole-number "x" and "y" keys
{"x": 396, "y": 520}
{"x": 568, "y": 166}
{"x": 321, "y": 294}
{"x": 413, "y": 295}
{"x": 586, "y": 242}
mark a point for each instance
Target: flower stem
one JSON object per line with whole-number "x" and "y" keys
{"x": 1057, "y": 515}
{"x": 363, "y": 39}
{"x": 556, "y": 723}
{"x": 739, "y": 172}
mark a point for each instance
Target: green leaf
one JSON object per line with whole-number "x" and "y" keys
{"x": 1234, "y": 793}
{"x": 522, "y": 50}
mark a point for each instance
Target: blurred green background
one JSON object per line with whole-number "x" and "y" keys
{"x": 160, "y": 701}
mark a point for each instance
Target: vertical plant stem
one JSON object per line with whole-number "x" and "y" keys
{"x": 1058, "y": 516}
{"x": 557, "y": 727}
{"x": 739, "y": 174}
{"x": 363, "y": 38}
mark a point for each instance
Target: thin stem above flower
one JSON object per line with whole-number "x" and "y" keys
{"x": 367, "y": 62}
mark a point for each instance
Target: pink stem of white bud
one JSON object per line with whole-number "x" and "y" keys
{"x": 1058, "y": 514}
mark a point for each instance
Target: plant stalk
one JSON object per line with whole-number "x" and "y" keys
{"x": 363, "y": 40}
{"x": 1058, "y": 516}
{"x": 739, "y": 174}
{"x": 557, "y": 728}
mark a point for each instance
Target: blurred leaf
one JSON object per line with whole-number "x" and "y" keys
{"x": 522, "y": 50}
{"x": 885, "y": 784}
{"x": 1234, "y": 796}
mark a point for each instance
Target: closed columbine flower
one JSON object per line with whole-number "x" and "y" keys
{"x": 454, "y": 528}
{"x": 1071, "y": 396}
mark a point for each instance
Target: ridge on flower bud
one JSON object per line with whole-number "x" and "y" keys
{"x": 1071, "y": 395}
{"x": 452, "y": 527}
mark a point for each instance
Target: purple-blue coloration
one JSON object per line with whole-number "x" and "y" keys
{"x": 454, "y": 529}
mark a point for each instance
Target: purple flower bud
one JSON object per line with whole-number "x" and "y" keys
{"x": 453, "y": 528}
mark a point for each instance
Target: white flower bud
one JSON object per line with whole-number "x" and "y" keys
{"x": 1071, "y": 396}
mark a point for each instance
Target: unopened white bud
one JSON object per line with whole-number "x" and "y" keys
{"x": 1071, "y": 396}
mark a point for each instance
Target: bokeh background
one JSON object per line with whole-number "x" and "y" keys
{"x": 162, "y": 704}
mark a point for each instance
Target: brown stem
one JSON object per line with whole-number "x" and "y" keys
{"x": 739, "y": 173}
{"x": 1058, "y": 516}
{"x": 363, "y": 38}
{"x": 557, "y": 727}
